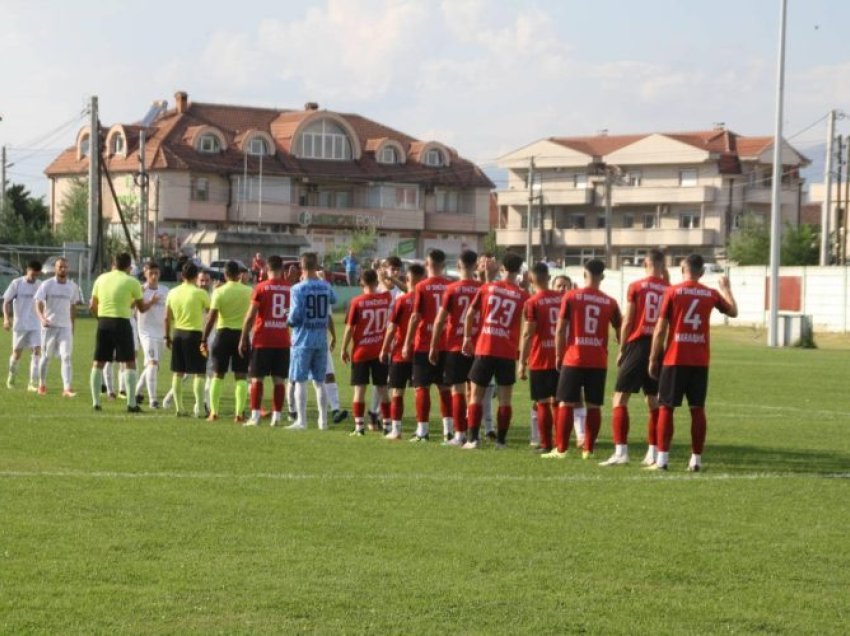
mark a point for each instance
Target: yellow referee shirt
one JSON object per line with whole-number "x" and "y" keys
{"x": 232, "y": 301}
{"x": 116, "y": 293}
{"x": 187, "y": 303}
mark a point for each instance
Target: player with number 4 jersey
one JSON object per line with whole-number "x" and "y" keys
{"x": 642, "y": 309}
{"x": 683, "y": 324}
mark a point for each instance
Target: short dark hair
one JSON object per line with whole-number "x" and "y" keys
{"x": 656, "y": 256}
{"x": 310, "y": 261}
{"x": 438, "y": 257}
{"x": 122, "y": 260}
{"x": 393, "y": 261}
{"x": 695, "y": 263}
{"x": 369, "y": 277}
{"x": 189, "y": 271}
{"x": 232, "y": 269}
{"x": 152, "y": 265}
{"x": 468, "y": 258}
{"x": 540, "y": 271}
{"x": 275, "y": 263}
{"x": 512, "y": 262}
{"x": 416, "y": 269}
{"x": 595, "y": 267}
{"x": 566, "y": 278}
{"x": 34, "y": 266}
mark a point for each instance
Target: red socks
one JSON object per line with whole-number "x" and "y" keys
{"x": 459, "y": 412}
{"x": 396, "y": 408}
{"x": 445, "y": 403}
{"x": 256, "y": 395}
{"x": 423, "y": 404}
{"x": 385, "y": 411}
{"x": 359, "y": 410}
{"x": 664, "y": 432}
{"x": 620, "y": 425}
{"x": 564, "y": 428}
{"x": 594, "y": 423}
{"x": 277, "y": 399}
{"x": 544, "y": 424}
{"x": 503, "y": 423}
{"x": 698, "y": 427}
{"x": 652, "y": 428}
{"x": 475, "y": 413}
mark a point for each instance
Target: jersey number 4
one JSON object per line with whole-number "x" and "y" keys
{"x": 692, "y": 318}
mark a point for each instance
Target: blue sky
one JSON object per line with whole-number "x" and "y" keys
{"x": 484, "y": 77}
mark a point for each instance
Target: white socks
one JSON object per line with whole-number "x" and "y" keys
{"x": 13, "y": 365}
{"x": 448, "y": 425}
{"x": 662, "y": 458}
{"x": 621, "y": 450}
{"x": 34, "y": 362}
{"x": 66, "y": 372}
{"x": 290, "y": 397}
{"x": 109, "y": 377}
{"x": 422, "y": 429}
{"x": 332, "y": 392}
{"x": 300, "y": 396}
{"x": 42, "y": 370}
{"x": 535, "y": 434}
{"x": 322, "y": 400}
{"x": 579, "y": 417}
{"x": 696, "y": 460}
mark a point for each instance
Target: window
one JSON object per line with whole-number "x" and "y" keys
{"x": 628, "y": 221}
{"x": 633, "y": 178}
{"x": 275, "y": 189}
{"x": 435, "y": 158}
{"x": 389, "y": 155}
{"x": 117, "y": 145}
{"x": 580, "y": 181}
{"x": 258, "y": 146}
{"x": 447, "y": 201}
{"x": 399, "y": 197}
{"x": 648, "y": 221}
{"x": 689, "y": 220}
{"x": 85, "y": 145}
{"x": 325, "y": 140}
{"x": 600, "y": 222}
{"x": 209, "y": 143}
{"x": 576, "y": 221}
{"x": 688, "y": 177}
{"x": 201, "y": 189}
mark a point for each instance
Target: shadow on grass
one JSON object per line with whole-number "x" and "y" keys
{"x": 764, "y": 459}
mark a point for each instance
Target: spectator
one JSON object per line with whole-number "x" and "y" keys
{"x": 350, "y": 264}
{"x": 258, "y": 267}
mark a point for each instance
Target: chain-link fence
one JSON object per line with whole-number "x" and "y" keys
{"x": 14, "y": 259}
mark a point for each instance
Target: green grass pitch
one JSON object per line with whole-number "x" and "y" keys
{"x": 150, "y": 524}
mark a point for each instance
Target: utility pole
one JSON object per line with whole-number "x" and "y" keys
{"x": 826, "y": 209}
{"x": 609, "y": 183}
{"x": 846, "y": 204}
{"x": 143, "y": 182}
{"x": 156, "y": 216}
{"x": 528, "y": 245}
{"x": 260, "y": 196}
{"x": 94, "y": 170}
{"x": 840, "y": 229}
{"x": 3, "y": 180}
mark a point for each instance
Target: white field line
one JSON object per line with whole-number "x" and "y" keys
{"x": 777, "y": 408}
{"x": 389, "y": 477}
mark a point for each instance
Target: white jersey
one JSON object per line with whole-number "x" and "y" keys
{"x": 152, "y": 322}
{"x": 58, "y": 299}
{"x": 21, "y": 293}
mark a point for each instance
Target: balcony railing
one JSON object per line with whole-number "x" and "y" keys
{"x": 556, "y": 195}
{"x": 761, "y": 195}
{"x": 631, "y": 195}
{"x": 620, "y": 237}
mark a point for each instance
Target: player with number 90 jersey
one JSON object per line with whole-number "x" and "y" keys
{"x": 590, "y": 313}
{"x": 271, "y": 329}
{"x": 310, "y": 312}
{"x": 368, "y": 316}
{"x": 501, "y": 305}
{"x": 687, "y": 306}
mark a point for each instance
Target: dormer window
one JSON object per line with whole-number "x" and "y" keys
{"x": 258, "y": 147}
{"x": 389, "y": 155}
{"x": 434, "y": 158}
{"x": 209, "y": 143}
{"x": 117, "y": 145}
{"x": 85, "y": 146}
{"x": 324, "y": 140}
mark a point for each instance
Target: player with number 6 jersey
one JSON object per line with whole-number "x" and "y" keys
{"x": 498, "y": 306}
{"x": 683, "y": 324}
{"x": 642, "y": 309}
{"x": 365, "y": 327}
{"x": 581, "y": 339}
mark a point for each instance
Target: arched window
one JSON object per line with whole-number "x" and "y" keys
{"x": 325, "y": 140}
{"x": 257, "y": 146}
{"x": 209, "y": 143}
{"x": 117, "y": 144}
{"x": 435, "y": 158}
{"x": 389, "y": 155}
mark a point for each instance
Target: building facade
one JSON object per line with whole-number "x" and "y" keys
{"x": 685, "y": 192}
{"x": 315, "y": 175}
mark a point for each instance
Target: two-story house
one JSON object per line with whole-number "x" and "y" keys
{"x": 684, "y": 192}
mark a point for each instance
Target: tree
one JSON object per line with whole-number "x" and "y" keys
{"x": 750, "y": 243}
{"x": 26, "y": 219}
{"x": 74, "y": 209}
{"x": 800, "y": 245}
{"x": 490, "y": 245}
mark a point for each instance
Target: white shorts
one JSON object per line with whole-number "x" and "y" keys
{"x": 330, "y": 367}
{"x": 26, "y": 339}
{"x": 57, "y": 341}
{"x": 152, "y": 348}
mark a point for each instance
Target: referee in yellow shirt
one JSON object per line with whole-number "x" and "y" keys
{"x": 185, "y": 306}
{"x": 230, "y": 303}
{"x": 113, "y": 297}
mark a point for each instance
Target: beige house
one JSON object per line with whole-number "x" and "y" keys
{"x": 684, "y": 192}
{"x": 838, "y": 216}
{"x": 313, "y": 175}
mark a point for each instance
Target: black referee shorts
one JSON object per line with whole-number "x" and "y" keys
{"x": 575, "y": 380}
{"x": 225, "y": 352}
{"x": 114, "y": 341}
{"x": 186, "y": 356}
{"x": 677, "y": 382}
{"x": 633, "y": 372}
{"x": 268, "y": 361}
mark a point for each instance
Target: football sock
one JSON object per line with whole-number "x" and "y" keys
{"x": 397, "y": 408}
{"x": 662, "y": 458}
{"x": 151, "y": 381}
{"x": 474, "y": 414}
{"x": 698, "y": 429}
{"x": 544, "y": 424}
{"x": 198, "y": 390}
{"x": 130, "y": 384}
{"x": 487, "y": 404}
{"x": 278, "y": 397}
{"x": 503, "y": 417}
{"x": 256, "y": 396}
{"x": 620, "y": 425}
{"x": 66, "y": 372}
{"x": 664, "y": 432}
{"x": 95, "y": 382}
{"x": 177, "y": 392}
{"x": 448, "y": 426}
{"x": 34, "y": 362}
{"x": 459, "y": 412}
{"x": 122, "y": 387}
{"x": 534, "y": 426}
{"x": 332, "y": 390}
{"x": 299, "y": 399}
{"x": 423, "y": 404}
{"x": 652, "y": 427}
{"x": 696, "y": 460}
{"x": 594, "y": 423}
{"x": 445, "y": 403}
{"x": 373, "y": 402}
{"x": 140, "y": 383}
{"x": 240, "y": 396}
{"x": 322, "y": 402}
{"x": 358, "y": 409}
{"x": 109, "y": 378}
{"x": 42, "y": 371}
{"x": 564, "y": 427}
{"x": 215, "y": 395}
{"x": 580, "y": 419}
{"x": 385, "y": 413}
{"x": 206, "y": 393}
{"x": 290, "y": 397}
{"x": 13, "y": 365}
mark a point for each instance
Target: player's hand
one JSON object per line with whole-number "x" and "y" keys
{"x": 405, "y": 352}
{"x": 168, "y": 342}
{"x": 45, "y": 322}
{"x": 384, "y": 356}
{"x": 522, "y": 374}
{"x": 433, "y": 356}
{"x": 346, "y": 357}
{"x": 332, "y": 343}
{"x": 204, "y": 351}
{"x": 7, "y": 324}
{"x": 723, "y": 282}
{"x": 467, "y": 349}
{"x": 243, "y": 347}
{"x": 653, "y": 369}
{"x": 619, "y": 357}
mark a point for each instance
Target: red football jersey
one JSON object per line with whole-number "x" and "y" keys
{"x": 646, "y": 295}
{"x": 543, "y": 309}
{"x": 590, "y": 314}
{"x": 271, "y": 331}
{"x": 368, "y": 316}
{"x": 427, "y": 298}
{"x": 687, "y": 306}
{"x": 456, "y": 301}
{"x": 501, "y": 304}
{"x": 400, "y": 317}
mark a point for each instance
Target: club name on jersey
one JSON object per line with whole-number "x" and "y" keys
{"x": 514, "y": 294}
{"x": 593, "y": 298}
{"x": 274, "y": 324}
{"x": 693, "y": 338}
{"x": 653, "y": 286}
{"x": 365, "y": 341}
{"x": 588, "y": 341}
{"x": 373, "y": 302}
{"x": 694, "y": 291}
{"x": 548, "y": 343}
{"x": 498, "y": 332}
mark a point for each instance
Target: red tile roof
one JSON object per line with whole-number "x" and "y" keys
{"x": 169, "y": 148}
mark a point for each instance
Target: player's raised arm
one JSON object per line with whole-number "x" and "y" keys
{"x": 725, "y": 289}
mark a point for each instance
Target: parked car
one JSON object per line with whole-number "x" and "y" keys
{"x": 333, "y": 277}
{"x": 9, "y": 270}
{"x": 220, "y": 264}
